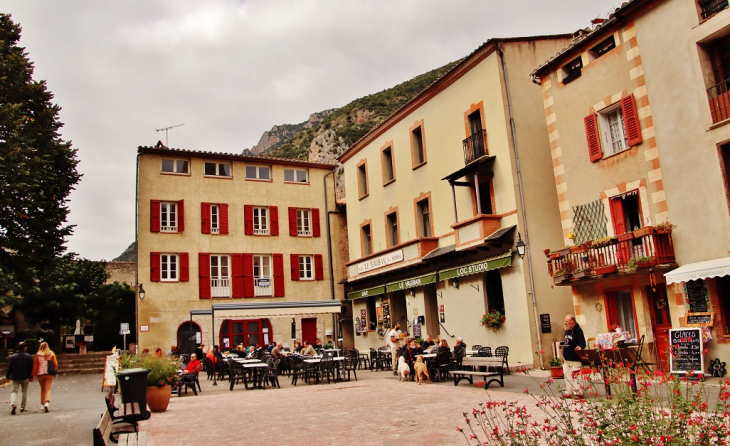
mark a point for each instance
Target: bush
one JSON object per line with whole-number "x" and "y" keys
{"x": 33, "y": 338}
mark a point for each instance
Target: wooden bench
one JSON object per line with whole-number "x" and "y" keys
{"x": 106, "y": 429}
{"x": 125, "y": 413}
{"x": 115, "y": 421}
{"x": 469, "y": 375}
{"x": 133, "y": 439}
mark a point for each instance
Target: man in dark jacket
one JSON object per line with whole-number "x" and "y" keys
{"x": 574, "y": 341}
{"x": 20, "y": 370}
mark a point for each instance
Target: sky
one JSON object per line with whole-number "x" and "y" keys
{"x": 231, "y": 69}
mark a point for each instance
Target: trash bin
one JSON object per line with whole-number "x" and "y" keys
{"x": 133, "y": 385}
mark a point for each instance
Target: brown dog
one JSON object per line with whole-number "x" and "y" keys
{"x": 421, "y": 370}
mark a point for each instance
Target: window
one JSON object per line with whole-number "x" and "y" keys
{"x": 214, "y": 218}
{"x": 485, "y": 197}
{"x": 614, "y": 132}
{"x": 304, "y": 222}
{"x": 168, "y": 217}
{"x": 175, "y": 166}
{"x": 217, "y": 169}
{"x": 617, "y": 126}
{"x": 710, "y": 7}
{"x": 260, "y": 220}
{"x": 262, "y": 275}
{"x": 367, "y": 243}
{"x": 168, "y": 267}
{"x": 417, "y": 145}
{"x": 571, "y": 71}
{"x": 423, "y": 216}
{"x": 386, "y": 157}
{"x": 244, "y": 331}
{"x": 493, "y": 287}
{"x": 306, "y": 268}
{"x": 304, "y": 226}
{"x": 722, "y": 285}
{"x": 620, "y": 310}
{"x": 724, "y": 152}
{"x": 372, "y": 322}
{"x": 296, "y": 176}
{"x": 718, "y": 53}
{"x": 258, "y": 173}
{"x": 362, "y": 179}
{"x": 391, "y": 228}
{"x": 220, "y": 279}
{"x": 604, "y": 47}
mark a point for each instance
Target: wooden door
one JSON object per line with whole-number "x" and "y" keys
{"x": 661, "y": 324}
{"x": 309, "y": 330}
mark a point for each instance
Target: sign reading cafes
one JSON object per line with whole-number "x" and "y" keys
{"x": 381, "y": 261}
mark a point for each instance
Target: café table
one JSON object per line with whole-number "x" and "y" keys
{"x": 336, "y": 359}
{"x": 246, "y": 361}
{"x": 334, "y": 351}
{"x": 256, "y": 368}
{"x": 607, "y": 360}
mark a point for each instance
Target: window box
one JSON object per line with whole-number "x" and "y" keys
{"x": 582, "y": 273}
{"x": 561, "y": 278}
{"x": 554, "y": 255}
{"x": 643, "y": 232}
{"x": 564, "y": 252}
{"x": 609, "y": 269}
{"x": 625, "y": 237}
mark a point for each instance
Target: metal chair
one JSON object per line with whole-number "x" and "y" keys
{"x": 476, "y": 347}
{"x": 189, "y": 380}
{"x": 502, "y": 352}
{"x": 442, "y": 366}
{"x": 485, "y": 352}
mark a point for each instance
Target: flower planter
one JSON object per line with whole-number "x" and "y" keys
{"x": 556, "y": 372}
{"x": 663, "y": 230}
{"x": 564, "y": 252}
{"x": 643, "y": 232}
{"x": 554, "y": 255}
{"x": 583, "y": 273}
{"x": 578, "y": 249}
{"x": 625, "y": 237}
{"x": 158, "y": 398}
{"x": 604, "y": 270}
{"x": 646, "y": 264}
{"x": 561, "y": 278}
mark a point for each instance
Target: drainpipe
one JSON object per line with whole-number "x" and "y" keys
{"x": 522, "y": 204}
{"x": 136, "y": 258}
{"x": 329, "y": 250}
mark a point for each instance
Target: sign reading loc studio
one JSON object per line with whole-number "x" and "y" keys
{"x": 381, "y": 261}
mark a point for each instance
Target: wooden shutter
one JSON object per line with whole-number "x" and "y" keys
{"x": 293, "y": 222}
{"x": 631, "y": 120}
{"x": 315, "y": 222}
{"x": 237, "y": 270}
{"x": 612, "y": 308}
{"x": 318, "y": 267}
{"x": 248, "y": 219}
{"x": 184, "y": 267}
{"x": 154, "y": 267}
{"x": 154, "y": 215}
{"x": 181, "y": 216}
{"x": 294, "y": 259}
{"x": 223, "y": 218}
{"x": 593, "y": 138}
{"x": 278, "y": 275}
{"x": 274, "y": 220}
{"x": 617, "y": 214}
{"x": 205, "y": 218}
{"x": 248, "y": 290}
{"x": 204, "y": 275}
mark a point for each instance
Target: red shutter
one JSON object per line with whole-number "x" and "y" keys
{"x": 205, "y": 218}
{"x": 274, "y": 219}
{"x": 318, "y": 267}
{"x": 315, "y": 222}
{"x": 631, "y": 119}
{"x": 248, "y": 290}
{"x": 278, "y": 275}
{"x": 293, "y": 222}
{"x": 154, "y": 267}
{"x": 248, "y": 219}
{"x": 237, "y": 261}
{"x": 184, "y": 267}
{"x": 181, "y": 216}
{"x": 612, "y": 309}
{"x": 204, "y": 274}
{"x": 294, "y": 259}
{"x": 594, "y": 140}
{"x": 617, "y": 213}
{"x": 223, "y": 217}
{"x": 154, "y": 215}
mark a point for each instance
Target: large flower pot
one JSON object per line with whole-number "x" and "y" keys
{"x": 158, "y": 398}
{"x": 556, "y": 371}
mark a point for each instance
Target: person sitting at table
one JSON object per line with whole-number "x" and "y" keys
{"x": 297, "y": 347}
{"x": 317, "y": 343}
{"x": 193, "y": 365}
{"x": 443, "y": 347}
{"x": 211, "y": 355}
{"x": 410, "y": 354}
{"x": 428, "y": 342}
{"x": 574, "y": 341}
{"x": 308, "y": 349}
{"x": 276, "y": 352}
{"x": 199, "y": 350}
{"x": 328, "y": 345}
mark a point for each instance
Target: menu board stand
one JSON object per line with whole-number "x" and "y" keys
{"x": 686, "y": 355}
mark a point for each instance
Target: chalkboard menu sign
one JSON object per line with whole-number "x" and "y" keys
{"x": 697, "y": 296}
{"x": 386, "y": 314}
{"x": 686, "y": 345}
{"x": 699, "y": 319}
{"x": 545, "y": 323}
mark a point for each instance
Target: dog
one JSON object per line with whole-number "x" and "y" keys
{"x": 421, "y": 370}
{"x": 403, "y": 370}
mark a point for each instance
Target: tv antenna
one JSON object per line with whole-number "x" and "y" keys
{"x": 165, "y": 129}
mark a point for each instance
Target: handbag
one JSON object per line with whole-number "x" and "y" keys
{"x": 51, "y": 367}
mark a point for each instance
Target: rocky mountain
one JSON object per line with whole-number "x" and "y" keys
{"x": 129, "y": 254}
{"x": 280, "y": 134}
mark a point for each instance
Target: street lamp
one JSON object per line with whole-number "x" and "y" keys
{"x": 141, "y": 292}
{"x": 521, "y": 247}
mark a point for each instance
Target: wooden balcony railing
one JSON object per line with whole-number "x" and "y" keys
{"x": 625, "y": 253}
{"x": 719, "y": 101}
{"x": 475, "y": 146}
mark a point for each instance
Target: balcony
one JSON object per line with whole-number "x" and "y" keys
{"x": 719, "y": 101}
{"x": 220, "y": 287}
{"x": 476, "y": 228}
{"x": 626, "y": 253}
{"x": 475, "y": 147}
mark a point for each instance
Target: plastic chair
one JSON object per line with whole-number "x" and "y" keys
{"x": 351, "y": 363}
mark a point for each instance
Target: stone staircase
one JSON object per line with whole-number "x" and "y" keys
{"x": 75, "y": 363}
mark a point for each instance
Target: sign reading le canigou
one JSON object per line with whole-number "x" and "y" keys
{"x": 381, "y": 261}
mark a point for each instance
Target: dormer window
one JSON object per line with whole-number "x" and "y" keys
{"x": 571, "y": 71}
{"x": 603, "y": 47}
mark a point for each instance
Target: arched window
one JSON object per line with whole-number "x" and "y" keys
{"x": 493, "y": 286}
{"x": 188, "y": 336}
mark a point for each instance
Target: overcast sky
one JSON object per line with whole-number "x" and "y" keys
{"x": 231, "y": 69}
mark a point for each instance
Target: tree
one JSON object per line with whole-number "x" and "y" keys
{"x": 37, "y": 171}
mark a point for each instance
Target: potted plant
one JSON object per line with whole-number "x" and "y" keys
{"x": 606, "y": 269}
{"x": 163, "y": 374}
{"x": 642, "y": 232}
{"x": 492, "y": 320}
{"x": 556, "y": 367}
{"x": 605, "y": 241}
{"x": 625, "y": 236}
{"x": 562, "y": 274}
{"x": 640, "y": 262}
{"x": 580, "y": 273}
{"x": 664, "y": 228}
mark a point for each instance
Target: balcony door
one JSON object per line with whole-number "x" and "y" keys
{"x": 661, "y": 324}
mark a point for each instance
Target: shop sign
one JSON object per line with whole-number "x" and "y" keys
{"x": 365, "y": 293}
{"x": 381, "y": 261}
{"x": 482, "y": 266}
{"x": 411, "y": 283}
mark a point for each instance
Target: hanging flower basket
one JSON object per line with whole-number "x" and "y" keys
{"x": 492, "y": 320}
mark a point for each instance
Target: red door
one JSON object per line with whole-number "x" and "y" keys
{"x": 309, "y": 330}
{"x": 661, "y": 324}
{"x": 623, "y": 253}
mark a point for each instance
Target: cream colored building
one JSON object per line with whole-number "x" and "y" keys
{"x": 437, "y": 197}
{"x": 636, "y": 118}
{"x": 245, "y": 236}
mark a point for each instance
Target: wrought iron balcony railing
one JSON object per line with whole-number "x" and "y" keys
{"x": 719, "y": 101}
{"x": 475, "y": 146}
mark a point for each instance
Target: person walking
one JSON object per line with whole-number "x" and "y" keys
{"x": 20, "y": 371}
{"x": 574, "y": 341}
{"x": 42, "y": 369}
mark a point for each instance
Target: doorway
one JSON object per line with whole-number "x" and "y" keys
{"x": 431, "y": 310}
{"x": 188, "y": 335}
{"x": 309, "y": 329}
{"x": 661, "y": 323}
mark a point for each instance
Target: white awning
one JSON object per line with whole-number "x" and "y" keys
{"x": 271, "y": 309}
{"x": 699, "y": 270}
